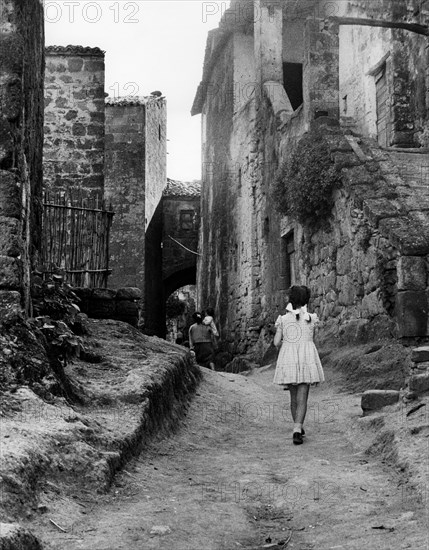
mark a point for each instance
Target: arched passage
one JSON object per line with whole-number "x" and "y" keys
{"x": 187, "y": 276}
{"x": 155, "y": 301}
{"x": 170, "y": 251}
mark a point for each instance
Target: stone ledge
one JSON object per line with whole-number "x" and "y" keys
{"x": 373, "y": 400}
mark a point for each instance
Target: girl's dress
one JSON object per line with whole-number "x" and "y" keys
{"x": 298, "y": 361}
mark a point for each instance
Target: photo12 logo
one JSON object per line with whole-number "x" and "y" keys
{"x": 129, "y": 90}
{"x": 69, "y": 11}
{"x": 247, "y": 11}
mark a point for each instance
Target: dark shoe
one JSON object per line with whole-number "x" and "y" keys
{"x": 297, "y": 438}
{"x": 302, "y": 432}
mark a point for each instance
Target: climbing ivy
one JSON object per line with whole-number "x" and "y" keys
{"x": 304, "y": 184}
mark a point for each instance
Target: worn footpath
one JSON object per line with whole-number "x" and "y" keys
{"x": 230, "y": 477}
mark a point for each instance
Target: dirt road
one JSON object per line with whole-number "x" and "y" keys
{"x": 230, "y": 478}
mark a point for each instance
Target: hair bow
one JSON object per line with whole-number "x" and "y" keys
{"x": 302, "y": 310}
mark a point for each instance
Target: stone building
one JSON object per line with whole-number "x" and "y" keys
{"x": 21, "y": 139}
{"x": 171, "y": 249}
{"x": 136, "y": 165}
{"x": 358, "y": 72}
{"x": 73, "y": 154}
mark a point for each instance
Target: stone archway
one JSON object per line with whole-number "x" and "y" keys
{"x": 187, "y": 276}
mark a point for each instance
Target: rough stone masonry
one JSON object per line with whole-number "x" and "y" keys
{"x": 21, "y": 140}
{"x": 359, "y": 72}
{"x": 73, "y": 156}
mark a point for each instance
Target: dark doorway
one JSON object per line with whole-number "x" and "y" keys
{"x": 292, "y": 82}
{"x": 288, "y": 260}
{"x": 382, "y": 107}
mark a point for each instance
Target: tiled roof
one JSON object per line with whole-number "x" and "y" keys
{"x": 132, "y": 100}
{"x": 74, "y": 50}
{"x": 177, "y": 188}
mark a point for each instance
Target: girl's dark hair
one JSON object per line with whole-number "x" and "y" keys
{"x": 306, "y": 294}
{"x": 197, "y": 317}
{"x": 299, "y": 296}
{"x": 210, "y": 311}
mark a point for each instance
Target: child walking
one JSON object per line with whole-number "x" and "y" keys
{"x": 298, "y": 364}
{"x": 209, "y": 321}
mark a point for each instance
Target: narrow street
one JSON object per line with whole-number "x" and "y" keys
{"x": 230, "y": 478}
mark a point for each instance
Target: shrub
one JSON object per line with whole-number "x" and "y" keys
{"x": 304, "y": 184}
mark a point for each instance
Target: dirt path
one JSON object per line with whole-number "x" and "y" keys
{"x": 230, "y": 478}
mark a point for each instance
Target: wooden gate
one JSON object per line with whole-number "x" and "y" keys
{"x": 75, "y": 239}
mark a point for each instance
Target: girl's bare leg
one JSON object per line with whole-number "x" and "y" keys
{"x": 293, "y": 400}
{"x": 301, "y": 406}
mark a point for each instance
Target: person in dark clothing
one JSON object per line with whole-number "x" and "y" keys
{"x": 200, "y": 341}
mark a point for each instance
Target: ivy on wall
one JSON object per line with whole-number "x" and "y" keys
{"x": 304, "y": 184}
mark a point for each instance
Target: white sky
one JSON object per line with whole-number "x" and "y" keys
{"x": 150, "y": 45}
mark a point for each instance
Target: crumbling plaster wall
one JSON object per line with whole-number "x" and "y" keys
{"x": 407, "y": 68}
{"x": 21, "y": 117}
{"x": 406, "y": 56}
{"x": 361, "y": 48}
{"x": 74, "y": 120}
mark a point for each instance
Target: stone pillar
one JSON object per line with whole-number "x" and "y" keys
{"x": 321, "y": 69}
{"x": 74, "y": 120}
{"x": 21, "y": 131}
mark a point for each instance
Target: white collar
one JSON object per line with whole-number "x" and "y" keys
{"x": 302, "y": 310}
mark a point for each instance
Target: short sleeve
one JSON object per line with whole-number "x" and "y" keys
{"x": 315, "y": 318}
{"x": 278, "y": 322}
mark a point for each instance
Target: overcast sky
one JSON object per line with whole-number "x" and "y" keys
{"x": 150, "y": 45}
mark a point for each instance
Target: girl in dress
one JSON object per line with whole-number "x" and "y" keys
{"x": 298, "y": 364}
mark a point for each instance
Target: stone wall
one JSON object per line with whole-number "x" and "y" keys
{"x": 135, "y": 175}
{"x": 153, "y": 314}
{"x": 21, "y": 104}
{"x": 74, "y": 120}
{"x": 406, "y": 57}
{"x": 218, "y": 187}
{"x": 125, "y": 176}
{"x": 123, "y": 304}
{"x": 156, "y": 154}
{"x": 361, "y": 48}
{"x": 181, "y": 221}
{"x": 358, "y": 266}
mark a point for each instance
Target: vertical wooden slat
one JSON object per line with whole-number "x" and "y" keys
{"x": 75, "y": 237}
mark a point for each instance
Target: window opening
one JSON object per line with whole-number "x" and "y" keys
{"x": 186, "y": 221}
{"x": 292, "y": 82}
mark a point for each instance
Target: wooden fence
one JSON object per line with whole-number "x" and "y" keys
{"x": 75, "y": 238}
